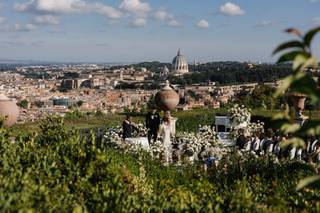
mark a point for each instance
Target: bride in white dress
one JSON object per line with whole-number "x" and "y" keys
{"x": 166, "y": 131}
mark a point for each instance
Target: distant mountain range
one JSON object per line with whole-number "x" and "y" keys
{"x": 38, "y": 62}
{"x": 13, "y": 61}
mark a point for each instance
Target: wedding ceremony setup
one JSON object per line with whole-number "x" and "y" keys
{"x": 209, "y": 143}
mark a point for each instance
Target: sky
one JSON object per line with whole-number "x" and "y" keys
{"x": 150, "y": 30}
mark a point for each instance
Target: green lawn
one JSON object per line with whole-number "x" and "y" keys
{"x": 187, "y": 120}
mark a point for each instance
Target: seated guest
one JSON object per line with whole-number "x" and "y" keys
{"x": 128, "y": 127}
{"x": 248, "y": 145}
{"x": 299, "y": 154}
{"x": 209, "y": 160}
{"x": 277, "y": 146}
{"x": 263, "y": 139}
{"x": 314, "y": 144}
{"x": 267, "y": 145}
{"x": 256, "y": 143}
{"x": 315, "y": 156}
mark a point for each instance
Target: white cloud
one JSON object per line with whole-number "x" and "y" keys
{"x": 231, "y": 9}
{"x": 66, "y": 7}
{"x": 264, "y": 24}
{"x": 107, "y": 11}
{"x": 138, "y": 22}
{"x": 174, "y": 23}
{"x": 46, "y": 19}
{"x": 3, "y": 20}
{"x": 203, "y": 24}
{"x": 26, "y": 28}
{"x": 316, "y": 21}
{"x": 162, "y": 15}
{"x": 19, "y": 43}
{"x": 135, "y": 7}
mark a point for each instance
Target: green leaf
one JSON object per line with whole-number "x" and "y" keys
{"x": 299, "y": 61}
{"x": 294, "y": 31}
{"x": 309, "y": 36}
{"x": 289, "y": 44}
{"x": 311, "y": 62}
{"x": 281, "y": 116}
{"x": 305, "y": 84}
{"x": 295, "y": 141}
{"x": 286, "y": 83}
{"x": 307, "y": 181}
{"x": 311, "y": 127}
{"x": 290, "y": 56}
{"x": 290, "y": 128}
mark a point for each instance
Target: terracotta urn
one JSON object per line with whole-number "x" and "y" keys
{"x": 167, "y": 99}
{"x": 298, "y": 101}
{"x": 8, "y": 110}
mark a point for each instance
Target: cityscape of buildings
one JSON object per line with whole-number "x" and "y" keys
{"x": 58, "y": 89}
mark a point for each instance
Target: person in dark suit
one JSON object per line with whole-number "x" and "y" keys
{"x": 128, "y": 127}
{"x": 152, "y": 124}
{"x": 241, "y": 140}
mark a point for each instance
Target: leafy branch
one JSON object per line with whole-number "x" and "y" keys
{"x": 299, "y": 53}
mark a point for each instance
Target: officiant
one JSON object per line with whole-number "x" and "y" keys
{"x": 128, "y": 127}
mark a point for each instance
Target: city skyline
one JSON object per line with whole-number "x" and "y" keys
{"x": 141, "y": 30}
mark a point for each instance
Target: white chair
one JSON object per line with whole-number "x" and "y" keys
{"x": 299, "y": 154}
{"x": 270, "y": 148}
{"x": 313, "y": 146}
{"x": 256, "y": 144}
{"x": 277, "y": 149}
{"x": 292, "y": 153}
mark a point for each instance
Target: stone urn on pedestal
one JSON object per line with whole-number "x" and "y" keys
{"x": 298, "y": 101}
{"x": 8, "y": 110}
{"x": 167, "y": 99}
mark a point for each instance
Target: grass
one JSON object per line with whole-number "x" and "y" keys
{"x": 187, "y": 120}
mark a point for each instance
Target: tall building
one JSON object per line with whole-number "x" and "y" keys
{"x": 179, "y": 65}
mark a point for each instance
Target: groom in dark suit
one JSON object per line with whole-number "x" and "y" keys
{"x": 152, "y": 124}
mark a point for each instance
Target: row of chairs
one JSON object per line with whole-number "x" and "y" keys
{"x": 268, "y": 145}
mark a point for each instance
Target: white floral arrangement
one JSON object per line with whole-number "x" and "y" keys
{"x": 197, "y": 146}
{"x": 157, "y": 149}
{"x": 188, "y": 146}
{"x": 256, "y": 128}
{"x": 113, "y": 137}
{"x": 143, "y": 131}
{"x": 239, "y": 115}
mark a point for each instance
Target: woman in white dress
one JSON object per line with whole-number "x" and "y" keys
{"x": 165, "y": 130}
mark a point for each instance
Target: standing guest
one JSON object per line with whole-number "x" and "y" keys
{"x": 128, "y": 127}
{"x": 152, "y": 124}
{"x": 241, "y": 140}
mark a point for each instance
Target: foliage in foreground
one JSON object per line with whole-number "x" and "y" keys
{"x": 301, "y": 83}
{"x": 45, "y": 173}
